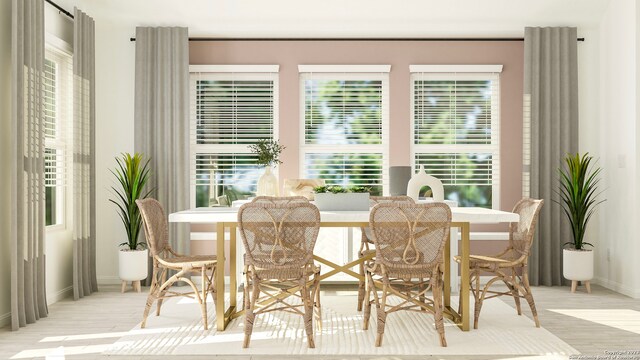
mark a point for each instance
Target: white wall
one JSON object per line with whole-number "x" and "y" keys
{"x": 5, "y": 148}
{"x": 617, "y": 248}
{"x": 116, "y": 21}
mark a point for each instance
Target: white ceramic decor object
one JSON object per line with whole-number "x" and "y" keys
{"x": 420, "y": 179}
{"x": 132, "y": 265}
{"x": 577, "y": 265}
{"x": 268, "y": 184}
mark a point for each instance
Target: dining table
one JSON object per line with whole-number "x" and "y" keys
{"x": 226, "y": 222}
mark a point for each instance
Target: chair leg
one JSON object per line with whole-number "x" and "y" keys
{"x": 478, "y": 299}
{"x": 316, "y": 302}
{"x": 153, "y": 292}
{"x": 514, "y": 291}
{"x": 308, "y": 312}
{"x": 203, "y": 301}
{"x": 438, "y": 305}
{"x": 382, "y": 314}
{"x": 249, "y": 312}
{"x": 529, "y": 297}
{"x": 361, "y": 285}
{"x": 160, "y": 298}
{"x": 367, "y": 301}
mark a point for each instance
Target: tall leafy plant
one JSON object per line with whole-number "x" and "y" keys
{"x": 579, "y": 180}
{"x": 268, "y": 152}
{"x": 132, "y": 173}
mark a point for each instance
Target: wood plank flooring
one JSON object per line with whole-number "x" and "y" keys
{"x": 86, "y": 327}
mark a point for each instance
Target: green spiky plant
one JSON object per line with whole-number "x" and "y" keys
{"x": 132, "y": 173}
{"x": 579, "y": 180}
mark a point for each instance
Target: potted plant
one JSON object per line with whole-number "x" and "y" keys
{"x": 132, "y": 173}
{"x": 355, "y": 198}
{"x": 268, "y": 152}
{"x": 579, "y": 181}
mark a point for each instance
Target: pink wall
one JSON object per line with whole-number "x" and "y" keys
{"x": 398, "y": 54}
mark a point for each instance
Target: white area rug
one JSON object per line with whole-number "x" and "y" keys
{"x": 178, "y": 331}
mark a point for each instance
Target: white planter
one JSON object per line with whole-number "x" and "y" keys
{"x": 342, "y": 202}
{"x": 132, "y": 264}
{"x": 267, "y": 184}
{"x": 577, "y": 265}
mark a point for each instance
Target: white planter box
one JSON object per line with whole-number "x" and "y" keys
{"x": 132, "y": 265}
{"x": 342, "y": 202}
{"x": 577, "y": 264}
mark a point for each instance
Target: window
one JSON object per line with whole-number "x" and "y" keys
{"x": 455, "y": 123}
{"x": 231, "y": 107}
{"x": 344, "y": 128}
{"x": 57, "y": 119}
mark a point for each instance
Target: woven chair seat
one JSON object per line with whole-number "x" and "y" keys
{"x": 194, "y": 260}
{"x": 286, "y": 273}
{"x": 403, "y": 273}
{"x": 485, "y": 261}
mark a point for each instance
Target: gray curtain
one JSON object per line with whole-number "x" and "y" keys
{"x": 551, "y": 88}
{"x": 84, "y": 176}
{"x": 162, "y": 119}
{"x": 28, "y": 296}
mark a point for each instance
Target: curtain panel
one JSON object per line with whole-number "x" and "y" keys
{"x": 551, "y": 89}
{"x": 162, "y": 119}
{"x": 28, "y": 296}
{"x": 84, "y": 176}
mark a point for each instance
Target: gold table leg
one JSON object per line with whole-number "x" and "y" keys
{"x": 464, "y": 277}
{"x": 220, "y": 286}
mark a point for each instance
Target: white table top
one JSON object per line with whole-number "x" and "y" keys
{"x": 472, "y": 215}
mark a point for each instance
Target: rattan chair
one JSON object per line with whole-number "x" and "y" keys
{"x": 165, "y": 259}
{"x": 510, "y": 266}
{"x": 409, "y": 241}
{"x": 366, "y": 241}
{"x": 279, "y": 241}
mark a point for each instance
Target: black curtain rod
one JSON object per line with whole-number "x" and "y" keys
{"x": 352, "y": 39}
{"x": 60, "y": 9}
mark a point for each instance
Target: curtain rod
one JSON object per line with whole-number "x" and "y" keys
{"x": 60, "y": 9}
{"x": 353, "y": 39}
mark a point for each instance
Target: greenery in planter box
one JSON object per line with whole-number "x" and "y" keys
{"x": 268, "y": 152}
{"x": 336, "y": 189}
{"x": 579, "y": 180}
{"x": 132, "y": 174}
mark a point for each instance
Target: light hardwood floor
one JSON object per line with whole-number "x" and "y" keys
{"x": 87, "y": 326}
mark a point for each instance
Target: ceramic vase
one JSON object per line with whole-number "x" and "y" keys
{"x": 268, "y": 184}
{"x": 420, "y": 179}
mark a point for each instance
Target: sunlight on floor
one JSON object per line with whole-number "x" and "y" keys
{"x": 60, "y": 352}
{"x": 623, "y": 319}
{"x": 102, "y": 335}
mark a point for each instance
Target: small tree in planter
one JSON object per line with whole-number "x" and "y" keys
{"x": 579, "y": 181}
{"x": 268, "y": 152}
{"x": 355, "y": 198}
{"x": 132, "y": 173}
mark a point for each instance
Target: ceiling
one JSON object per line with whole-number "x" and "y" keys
{"x": 340, "y": 18}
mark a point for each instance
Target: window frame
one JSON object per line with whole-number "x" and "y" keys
{"x": 61, "y": 54}
{"x": 227, "y": 72}
{"x": 350, "y": 72}
{"x": 464, "y": 72}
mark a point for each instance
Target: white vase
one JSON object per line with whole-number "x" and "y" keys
{"x": 420, "y": 179}
{"x": 268, "y": 184}
{"x": 132, "y": 264}
{"x": 577, "y": 265}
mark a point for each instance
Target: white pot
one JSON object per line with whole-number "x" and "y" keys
{"x": 132, "y": 264}
{"x": 267, "y": 184}
{"x": 577, "y": 264}
{"x": 342, "y": 202}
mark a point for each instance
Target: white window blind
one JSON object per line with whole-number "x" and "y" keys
{"x": 57, "y": 97}
{"x": 344, "y": 136}
{"x": 455, "y": 131}
{"x": 229, "y": 111}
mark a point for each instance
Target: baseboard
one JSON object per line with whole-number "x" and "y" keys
{"x": 59, "y": 295}
{"x": 5, "y": 319}
{"x": 617, "y": 287}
